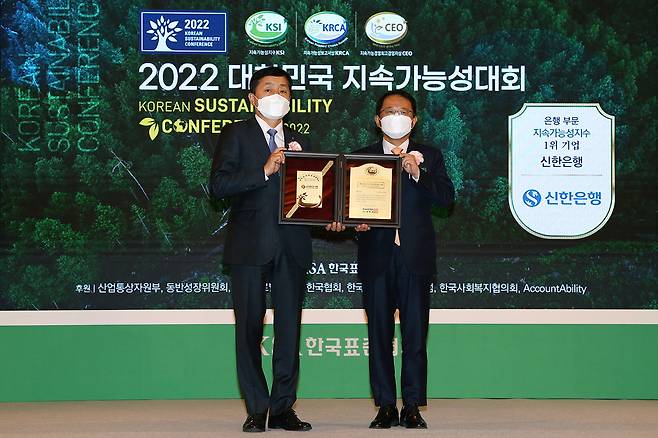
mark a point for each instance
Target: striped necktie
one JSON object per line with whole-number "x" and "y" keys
{"x": 396, "y": 151}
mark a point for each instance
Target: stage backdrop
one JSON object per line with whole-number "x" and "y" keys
{"x": 110, "y": 115}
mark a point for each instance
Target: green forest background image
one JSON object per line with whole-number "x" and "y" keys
{"x": 70, "y": 217}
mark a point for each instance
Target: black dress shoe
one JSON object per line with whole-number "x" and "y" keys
{"x": 254, "y": 423}
{"x": 386, "y": 417}
{"x": 288, "y": 421}
{"x": 411, "y": 419}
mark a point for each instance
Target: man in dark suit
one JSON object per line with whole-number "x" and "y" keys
{"x": 396, "y": 266}
{"x": 245, "y": 170}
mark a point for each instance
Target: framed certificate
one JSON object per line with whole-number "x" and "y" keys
{"x": 309, "y": 184}
{"x": 370, "y": 190}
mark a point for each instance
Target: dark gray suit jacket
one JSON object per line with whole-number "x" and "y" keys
{"x": 237, "y": 173}
{"x": 417, "y": 237}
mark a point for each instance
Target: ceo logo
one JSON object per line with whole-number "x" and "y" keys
{"x": 266, "y": 27}
{"x": 325, "y": 28}
{"x": 386, "y": 28}
{"x": 531, "y": 198}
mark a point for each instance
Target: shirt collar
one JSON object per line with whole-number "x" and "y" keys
{"x": 388, "y": 147}
{"x": 265, "y": 127}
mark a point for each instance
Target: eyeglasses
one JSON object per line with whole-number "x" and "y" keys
{"x": 396, "y": 111}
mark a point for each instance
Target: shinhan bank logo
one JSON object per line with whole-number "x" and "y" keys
{"x": 531, "y": 198}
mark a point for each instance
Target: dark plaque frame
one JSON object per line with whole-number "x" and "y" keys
{"x": 335, "y": 188}
{"x": 388, "y": 161}
{"x": 330, "y": 210}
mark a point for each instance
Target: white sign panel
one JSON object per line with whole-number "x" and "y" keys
{"x": 561, "y": 168}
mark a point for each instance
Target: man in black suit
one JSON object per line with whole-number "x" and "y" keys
{"x": 396, "y": 266}
{"x": 245, "y": 170}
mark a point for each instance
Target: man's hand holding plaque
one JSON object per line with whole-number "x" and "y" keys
{"x": 274, "y": 162}
{"x": 411, "y": 163}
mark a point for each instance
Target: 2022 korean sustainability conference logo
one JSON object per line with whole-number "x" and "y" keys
{"x": 172, "y": 32}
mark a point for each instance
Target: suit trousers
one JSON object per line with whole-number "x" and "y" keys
{"x": 248, "y": 290}
{"x": 395, "y": 287}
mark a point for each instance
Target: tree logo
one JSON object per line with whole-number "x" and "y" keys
{"x": 169, "y": 32}
{"x": 163, "y": 30}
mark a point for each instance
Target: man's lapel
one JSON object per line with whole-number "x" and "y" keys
{"x": 376, "y": 148}
{"x": 412, "y": 146}
{"x": 288, "y": 136}
{"x": 257, "y": 138}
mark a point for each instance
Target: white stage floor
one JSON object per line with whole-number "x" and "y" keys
{"x": 332, "y": 418}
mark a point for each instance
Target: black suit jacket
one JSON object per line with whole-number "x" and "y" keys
{"x": 253, "y": 231}
{"x": 417, "y": 237}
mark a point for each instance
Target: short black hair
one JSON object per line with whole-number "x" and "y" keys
{"x": 401, "y": 93}
{"x": 268, "y": 71}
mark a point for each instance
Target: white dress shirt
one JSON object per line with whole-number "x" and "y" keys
{"x": 388, "y": 150}
{"x": 278, "y": 137}
{"x": 388, "y": 147}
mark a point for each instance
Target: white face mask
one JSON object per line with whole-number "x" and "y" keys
{"x": 396, "y": 125}
{"x": 274, "y": 106}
